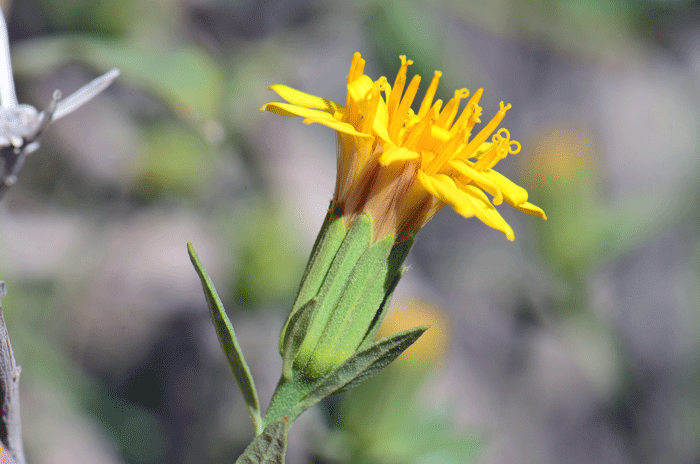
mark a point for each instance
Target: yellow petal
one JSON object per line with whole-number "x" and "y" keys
{"x": 467, "y": 201}
{"x": 439, "y": 134}
{"x": 403, "y": 113}
{"x": 339, "y": 126}
{"x": 482, "y": 150}
{"x": 311, "y": 116}
{"x": 444, "y": 189}
{"x": 381, "y": 121}
{"x": 303, "y": 99}
{"x": 484, "y": 210}
{"x": 363, "y": 92}
{"x": 480, "y": 180}
{"x": 287, "y": 109}
{"x": 394, "y": 95}
{"x": 427, "y": 182}
{"x": 393, "y": 154}
{"x": 532, "y": 210}
{"x": 427, "y": 102}
{"x": 513, "y": 194}
{"x": 359, "y": 91}
{"x": 448, "y": 114}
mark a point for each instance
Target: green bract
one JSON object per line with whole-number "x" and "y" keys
{"x": 343, "y": 296}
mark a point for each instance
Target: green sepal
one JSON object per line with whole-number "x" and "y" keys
{"x": 229, "y": 343}
{"x": 395, "y": 272}
{"x": 353, "y": 278}
{"x": 355, "y": 310}
{"x": 268, "y": 447}
{"x": 323, "y": 252}
{"x": 296, "y": 394}
{"x": 339, "y": 274}
{"x": 293, "y": 337}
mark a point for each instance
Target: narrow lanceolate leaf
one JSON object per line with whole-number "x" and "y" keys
{"x": 362, "y": 365}
{"x": 227, "y": 338}
{"x": 268, "y": 447}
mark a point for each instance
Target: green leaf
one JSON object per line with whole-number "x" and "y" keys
{"x": 363, "y": 365}
{"x": 174, "y": 159}
{"x": 296, "y": 394}
{"x": 227, "y": 338}
{"x": 268, "y": 447}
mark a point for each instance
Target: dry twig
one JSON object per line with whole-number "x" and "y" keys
{"x": 10, "y": 422}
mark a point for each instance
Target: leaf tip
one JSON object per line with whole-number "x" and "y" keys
{"x": 190, "y": 250}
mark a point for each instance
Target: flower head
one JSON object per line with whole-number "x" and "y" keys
{"x": 402, "y": 166}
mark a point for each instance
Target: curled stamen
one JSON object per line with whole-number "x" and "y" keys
{"x": 470, "y": 116}
{"x": 502, "y": 137}
{"x": 515, "y": 150}
{"x": 484, "y": 133}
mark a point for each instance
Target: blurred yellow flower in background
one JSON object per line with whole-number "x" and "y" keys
{"x": 431, "y": 348}
{"x": 402, "y": 167}
{"x": 562, "y": 154}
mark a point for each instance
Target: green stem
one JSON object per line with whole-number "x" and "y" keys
{"x": 286, "y": 400}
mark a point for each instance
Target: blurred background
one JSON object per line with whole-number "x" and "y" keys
{"x": 577, "y": 343}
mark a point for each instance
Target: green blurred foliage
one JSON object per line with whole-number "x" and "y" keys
{"x": 579, "y": 235}
{"x": 89, "y": 16}
{"x": 174, "y": 160}
{"x": 386, "y": 420}
{"x": 262, "y": 239}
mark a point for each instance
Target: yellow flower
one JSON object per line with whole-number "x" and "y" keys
{"x": 401, "y": 167}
